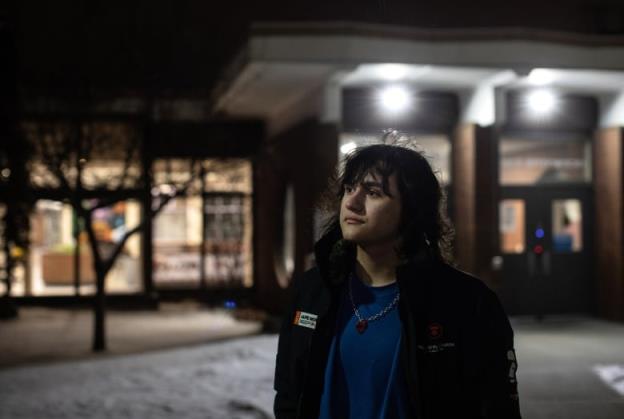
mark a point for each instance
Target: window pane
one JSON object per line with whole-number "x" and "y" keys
{"x": 532, "y": 162}
{"x": 228, "y": 218}
{"x": 511, "y": 225}
{"x": 228, "y": 225}
{"x": 111, "y": 225}
{"x": 104, "y": 148}
{"x": 177, "y": 241}
{"x": 52, "y": 250}
{"x": 567, "y": 221}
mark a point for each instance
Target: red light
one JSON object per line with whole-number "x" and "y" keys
{"x": 538, "y": 249}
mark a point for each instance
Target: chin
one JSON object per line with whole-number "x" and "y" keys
{"x": 354, "y": 238}
{"x": 348, "y": 233}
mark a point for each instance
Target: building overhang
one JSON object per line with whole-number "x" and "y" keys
{"x": 286, "y": 71}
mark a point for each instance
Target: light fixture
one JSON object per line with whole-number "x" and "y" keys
{"x": 395, "y": 99}
{"x": 541, "y": 101}
{"x": 346, "y": 148}
{"x": 541, "y": 76}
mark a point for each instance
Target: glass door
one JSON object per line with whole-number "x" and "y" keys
{"x": 545, "y": 243}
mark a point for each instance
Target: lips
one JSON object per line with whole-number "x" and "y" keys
{"x": 351, "y": 220}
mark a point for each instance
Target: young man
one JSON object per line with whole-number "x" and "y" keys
{"x": 383, "y": 326}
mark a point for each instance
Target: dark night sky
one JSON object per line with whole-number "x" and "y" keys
{"x": 181, "y": 45}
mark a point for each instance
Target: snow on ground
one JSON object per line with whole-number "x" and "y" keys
{"x": 612, "y": 375}
{"x": 230, "y": 380}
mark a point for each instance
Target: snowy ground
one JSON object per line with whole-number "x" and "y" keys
{"x": 568, "y": 368}
{"x": 230, "y": 380}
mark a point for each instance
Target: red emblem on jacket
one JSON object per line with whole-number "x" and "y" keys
{"x": 434, "y": 330}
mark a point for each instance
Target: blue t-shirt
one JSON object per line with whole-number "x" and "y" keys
{"x": 363, "y": 377}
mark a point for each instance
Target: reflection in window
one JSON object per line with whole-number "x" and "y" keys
{"x": 531, "y": 162}
{"x": 511, "y": 225}
{"x": 567, "y": 221}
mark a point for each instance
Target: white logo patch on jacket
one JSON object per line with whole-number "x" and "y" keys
{"x": 305, "y": 319}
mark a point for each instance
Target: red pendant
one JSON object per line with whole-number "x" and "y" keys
{"x": 361, "y": 326}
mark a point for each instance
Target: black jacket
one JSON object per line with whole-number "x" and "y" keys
{"x": 457, "y": 349}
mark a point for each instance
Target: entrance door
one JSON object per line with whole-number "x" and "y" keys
{"x": 545, "y": 241}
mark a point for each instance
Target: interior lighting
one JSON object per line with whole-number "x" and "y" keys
{"x": 6, "y": 172}
{"x": 541, "y": 76}
{"x": 346, "y": 148}
{"x": 166, "y": 189}
{"x": 541, "y": 101}
{"x": 392, "y": 72}
{"x": 395, "y": 99}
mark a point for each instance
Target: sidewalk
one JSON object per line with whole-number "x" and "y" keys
{"x": 43, "y": 335}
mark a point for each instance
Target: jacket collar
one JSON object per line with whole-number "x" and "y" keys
{"x": 335, "y": 259}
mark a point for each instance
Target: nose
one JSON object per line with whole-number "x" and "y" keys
{"x": 354, "y": 200}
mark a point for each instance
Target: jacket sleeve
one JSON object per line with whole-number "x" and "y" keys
{"x": 285, "y": 404}
{"x": 499, "y": 383}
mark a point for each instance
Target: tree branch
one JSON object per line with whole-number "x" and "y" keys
{"x": 119, "y": 248}
{"x": 130, "y": 150}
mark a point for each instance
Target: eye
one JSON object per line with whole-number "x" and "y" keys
{"x": 374, "y": 193}
{"x": 348, "y": 188}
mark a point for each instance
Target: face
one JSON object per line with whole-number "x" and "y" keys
{"x": 369, "y": 216}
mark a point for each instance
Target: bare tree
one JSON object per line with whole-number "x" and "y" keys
{"x": 94, "y": 165}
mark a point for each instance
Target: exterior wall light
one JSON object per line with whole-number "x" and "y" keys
{"x": 541, "y": 101}
{"x": 395, "y": 99}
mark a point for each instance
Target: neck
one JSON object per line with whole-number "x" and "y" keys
{"x": 376, "y": 266}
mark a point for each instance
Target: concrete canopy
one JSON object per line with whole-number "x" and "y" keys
{"x": 289, "y": 71}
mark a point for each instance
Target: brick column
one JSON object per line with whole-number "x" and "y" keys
{"x": 303, "y": 157}
{"x": 474, "y": 190}
{"x": 609, "y": 222}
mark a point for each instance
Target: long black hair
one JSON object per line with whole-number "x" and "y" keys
{"x": 424, "y": 225}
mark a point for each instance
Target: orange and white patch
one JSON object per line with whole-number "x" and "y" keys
{"x": 304, "y": 319}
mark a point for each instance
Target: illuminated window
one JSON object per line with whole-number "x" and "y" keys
{"x": 53, "y": 249}
{"x": 107, "y": 157}
{"x": 227, "y": 213}
{"x": 533, "y": 162}
{"x": 512, "y": 225}
{"x": 567, "y": 221}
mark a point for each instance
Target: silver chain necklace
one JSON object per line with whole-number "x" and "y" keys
{"x": 362, "y": 323}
